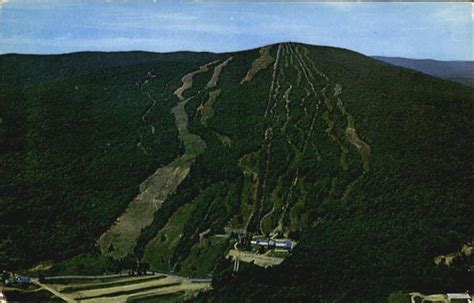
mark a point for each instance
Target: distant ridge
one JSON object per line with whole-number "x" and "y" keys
{"x": 457, "y": 71}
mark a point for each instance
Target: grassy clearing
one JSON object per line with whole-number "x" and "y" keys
{"x": 298, "y": 216}
{"x": 123, "y": 288}
{"x": 277, "y": 253}
{"x": 217, "y": 73}
{"x": 177, "y": 297}
{"x": 351, "y": 132}
{"x": 193, "y": 144}
{"x": 225, "y": 140}
{"x": 259, "y": 260}
{"x": 204, "y": 256}
{"x": 207, "y": 110}
{"x": 131, "y": 289}
{"x": 187, "y": 80}
{"x": 121, "y": 292}
{"x": 30, "y": 294}
{"x": 121, "y": 238}
{"x": 189, "y": 289}
{"x": 96, "y": 285}
{"x": 78, "y": 282}
{"x": 159, "y": 251}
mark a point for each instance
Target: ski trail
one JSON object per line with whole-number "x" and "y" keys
{"x": 274, "y": 74}
{"x": 152, "y": 127}
{"x": 305, "y": 73}
{"x": 261, "y": 63}
{"x": 268, "y": 135}
{"x": 351, "y": 132}
{"x": 124, "y": 233}
{"x": 286, "y": 56}
{"x": 154, "y": 101}
{"x": 327, "y": 117}
{"x": 217, "y": 73}
{"x": 207, "y": 109}
{"x": 187, "y": 80}
{"x": 294, "y": 182}
{"x": 265, "y": 217}
{"x": 286, "y": 97}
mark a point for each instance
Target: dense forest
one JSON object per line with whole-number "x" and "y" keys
{"x": 410, "y": 206}
{"x": 366, "y": 165}
{"x": 70, "y": 130}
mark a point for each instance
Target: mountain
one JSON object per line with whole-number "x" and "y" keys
{"x": 172, "y": 158}
{"x": 457, "y": 71}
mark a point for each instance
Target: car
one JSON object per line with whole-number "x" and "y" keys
{"x": 18, "y": 281}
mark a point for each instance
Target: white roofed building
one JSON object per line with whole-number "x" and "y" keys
{"x": 460, "y": 296}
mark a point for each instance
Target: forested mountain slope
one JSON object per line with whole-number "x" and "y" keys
{"x": 166, "y": 158}
{"x": 374, "y": 228}
{"x": 75, "y": 132}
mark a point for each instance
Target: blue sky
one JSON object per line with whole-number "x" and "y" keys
{"x": 418, "y": 30}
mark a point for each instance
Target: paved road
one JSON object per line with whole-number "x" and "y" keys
{"x": 194, "y": 280}
{"x": 88, "y": 277}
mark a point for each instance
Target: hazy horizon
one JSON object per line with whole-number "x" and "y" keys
{"x": 439, "y": 31}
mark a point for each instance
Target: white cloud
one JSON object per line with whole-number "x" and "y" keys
{"x": 472, "y": 11}
{"x": 341, "y": 5}
{"x": 455, "y": 13}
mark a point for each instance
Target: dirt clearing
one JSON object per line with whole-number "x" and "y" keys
{"x": 259, "y": 260}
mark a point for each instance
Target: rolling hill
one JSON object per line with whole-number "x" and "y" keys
{"x": 457, "y": 71}
{"x": 168, "y": 158}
